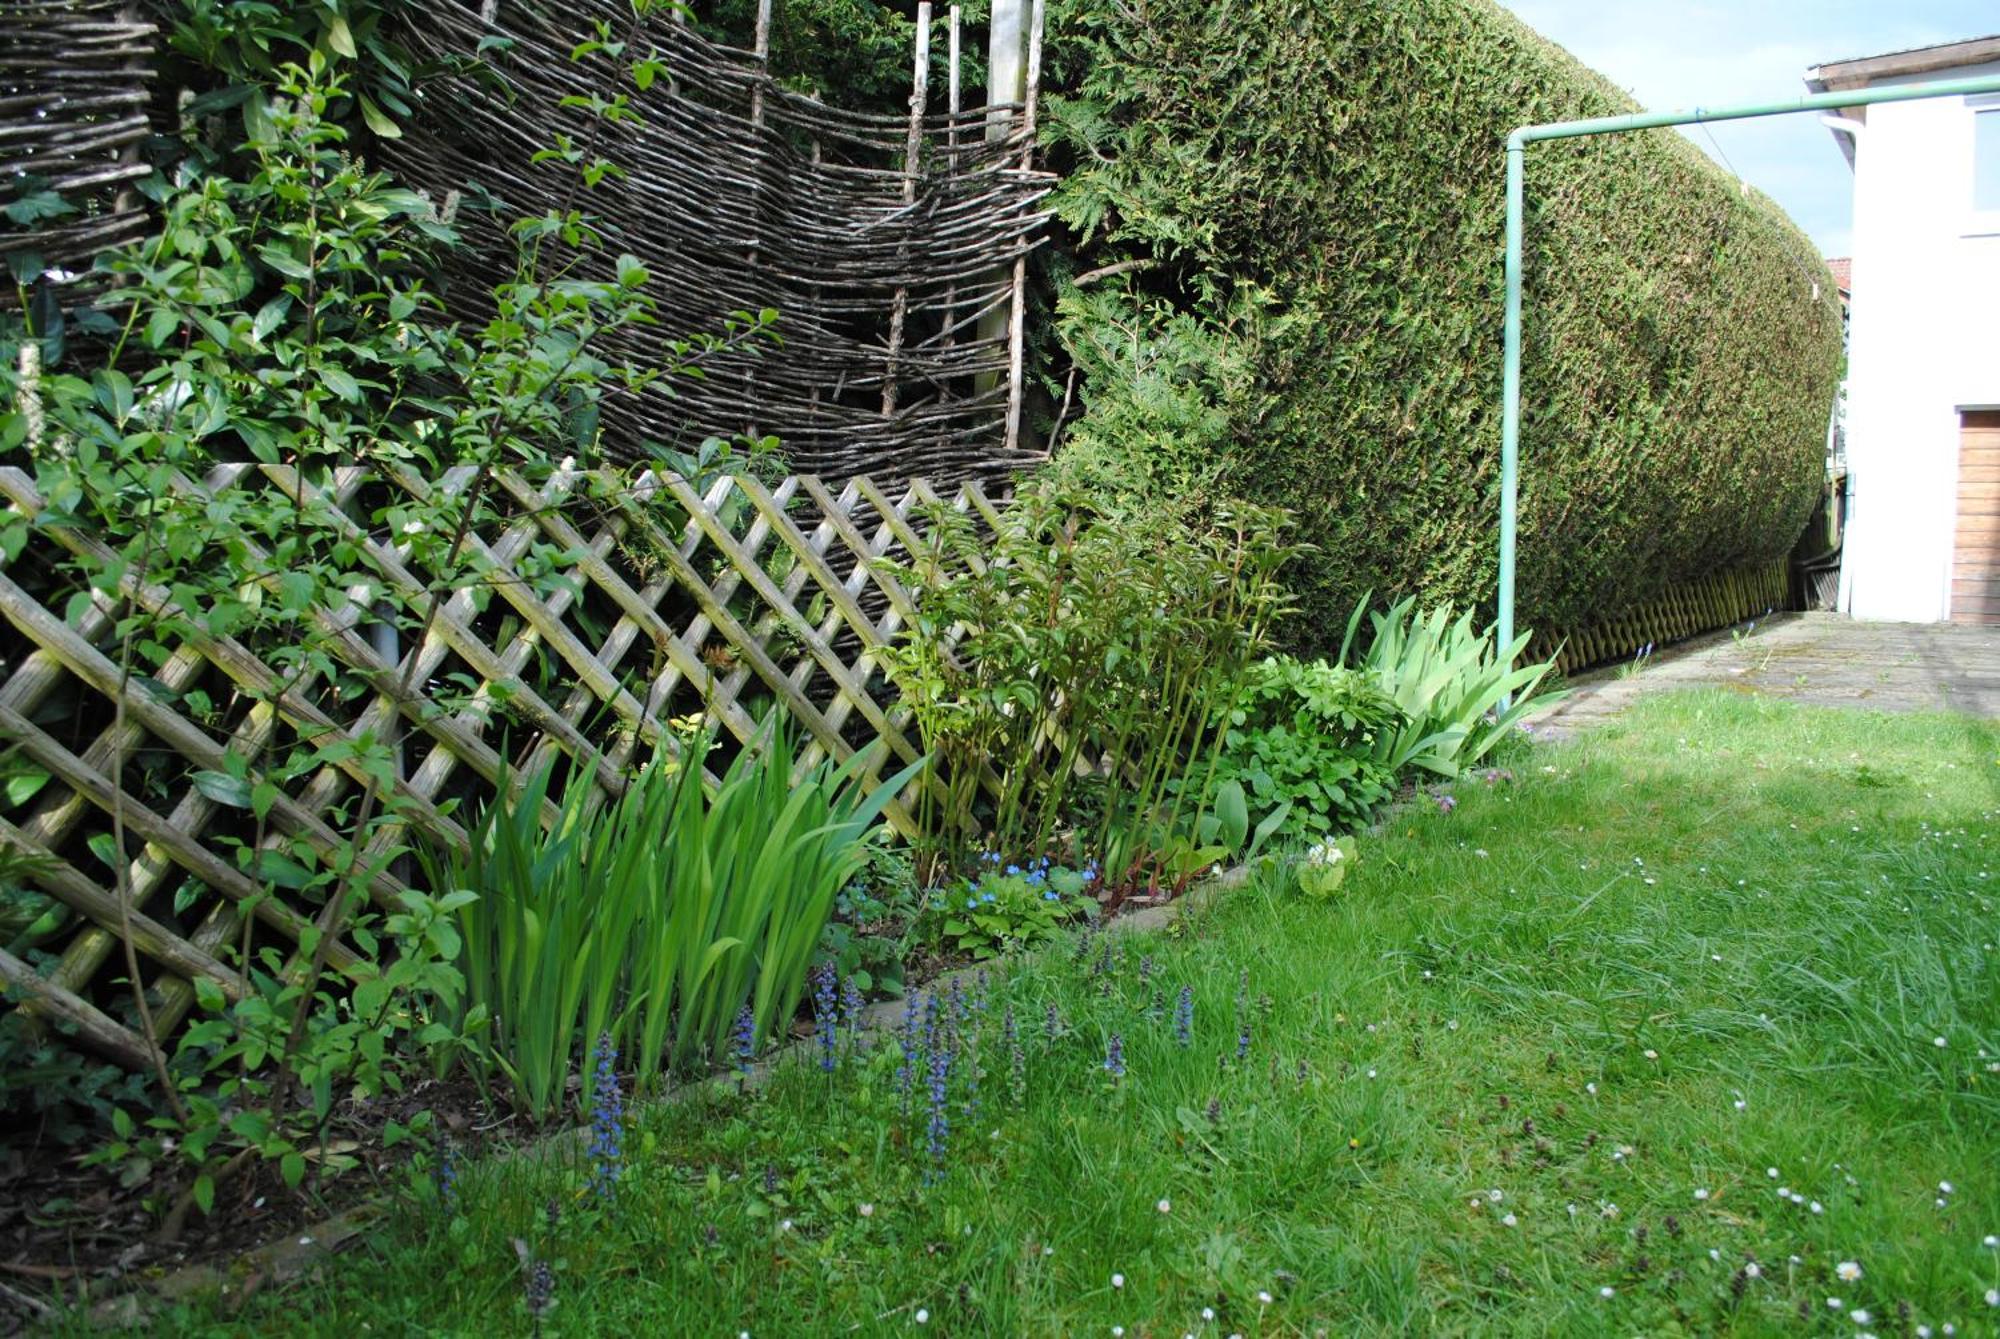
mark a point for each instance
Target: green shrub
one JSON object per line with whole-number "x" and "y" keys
{"x": 1446, "y": 682}
{"x": 1063, "y": 673}
{"x": 1301, "y": 733}
{"x": 1309, "y": 199}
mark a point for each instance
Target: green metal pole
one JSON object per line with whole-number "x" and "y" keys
{"x": 1517, "y": 142}
{"x": 1510, "y": 390}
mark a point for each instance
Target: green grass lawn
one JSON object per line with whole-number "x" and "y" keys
{"x": 1664, "y": 1036}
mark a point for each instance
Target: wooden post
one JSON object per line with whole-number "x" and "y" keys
{"x": 1006, "y": 88}
{"x": 951, "y": 154}
{"x": 912, "y": 164}
{"x": 763, "y": 49}
{"x": 753, "y": 299}
{"x": 1006, "y": 66}
{"x": 1018, "y": 312}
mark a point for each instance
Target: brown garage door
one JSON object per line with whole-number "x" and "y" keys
{"x": 1975, "y": 559}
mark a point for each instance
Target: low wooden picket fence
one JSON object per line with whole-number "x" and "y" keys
{"x": 1705, "y": 604}
{"x": 681, "y": 600}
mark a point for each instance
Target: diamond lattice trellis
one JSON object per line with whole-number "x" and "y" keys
{"x": 724, "y": 600}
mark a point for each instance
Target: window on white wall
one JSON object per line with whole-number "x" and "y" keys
{"x": 1986, "y": 160}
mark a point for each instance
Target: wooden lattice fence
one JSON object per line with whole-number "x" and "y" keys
{"x": 671, "y": 599}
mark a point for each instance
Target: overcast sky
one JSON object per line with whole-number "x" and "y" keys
{"x": 1678, "y": 53}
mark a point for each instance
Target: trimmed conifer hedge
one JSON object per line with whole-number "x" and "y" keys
{"x": 1302, "y": 203}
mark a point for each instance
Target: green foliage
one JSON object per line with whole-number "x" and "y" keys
{"x": 1309, "y": 200}
{"x": 1074, "y": 640}
{"x": 360, "y": 1039}
{"x": 869, "y": 934}
{"x": 853, "y": 53}
{"x": 235, "y": 53}
{"x": 50, "y": 1090}
{"x": 1446, "y": 682}
{"x": 654, "y": 918}
{"x": 1301, "y": 734}
{"x": 1005, "y": 907}
{"x": 282, "y": 315}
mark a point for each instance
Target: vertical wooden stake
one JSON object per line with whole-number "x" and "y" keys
{"x": 752, "y": 299}
{"x": 1018, "y": 318}
{"x": 951, "y": 154}
{"x": 818, "y": 315}
{"x": 763, "y": 49}
{"x": 912, "y": 164}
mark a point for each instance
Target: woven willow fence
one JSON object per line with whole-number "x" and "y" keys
{"x": 890, "y": 246}
{"x": 671, "y": 601}
{"x": 73, "y": 96}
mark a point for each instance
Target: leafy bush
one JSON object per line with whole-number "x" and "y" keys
{"x": 656, "y": 918}
{"x": 868, "y": 936}
{"x": 1301, "y": 734}
{"x": 1303, "y": 204}
{"x": 1446, "y": 682}
{"x": 1006, "y": 907}
{"x": 1063, "y": 670}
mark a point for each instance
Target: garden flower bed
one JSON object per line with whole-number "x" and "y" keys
{"x": 1694, "y": 1026}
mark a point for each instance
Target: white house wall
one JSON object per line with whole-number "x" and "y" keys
{"x": 1925, "y": 343}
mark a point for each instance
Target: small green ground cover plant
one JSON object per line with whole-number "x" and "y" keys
{"x": 1693, "y": 1028}
{"x": 1006, "y": 906}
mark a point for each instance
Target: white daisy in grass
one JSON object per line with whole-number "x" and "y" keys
{"x": 1847, "y": 1271}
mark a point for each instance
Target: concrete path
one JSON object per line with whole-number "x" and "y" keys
{"x": 1823, "y": 659}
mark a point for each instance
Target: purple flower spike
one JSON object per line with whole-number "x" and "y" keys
{"x": 607, "y": 1122}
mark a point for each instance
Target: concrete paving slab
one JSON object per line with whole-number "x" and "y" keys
{"x": 1821, "y": 659}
